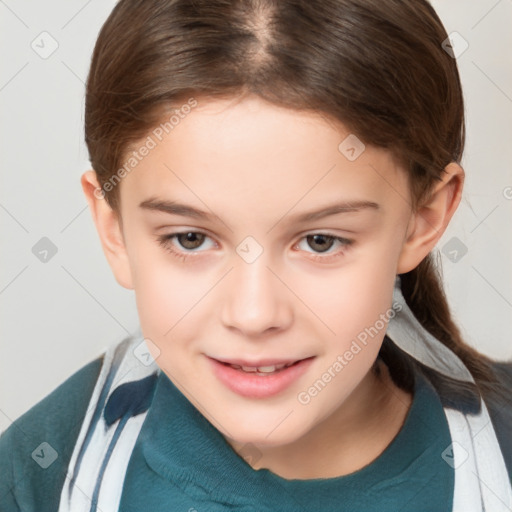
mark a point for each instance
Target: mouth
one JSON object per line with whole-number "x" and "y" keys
{"x": 259, "y": 379}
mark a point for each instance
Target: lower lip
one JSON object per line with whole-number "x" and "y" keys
{"x": 252, "y": 385}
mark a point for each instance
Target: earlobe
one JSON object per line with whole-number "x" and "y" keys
{"x": 430, "y": 221}
{"x": 109, "y": 229}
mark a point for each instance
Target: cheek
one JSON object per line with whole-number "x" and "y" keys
{"x": 165, "y": 294}
{"x": 165, "y": 304}
{"x": 354, "y": 297}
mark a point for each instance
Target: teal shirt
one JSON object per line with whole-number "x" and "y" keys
{"x": 181, "y": 461}
{"x": 25, "y": 485}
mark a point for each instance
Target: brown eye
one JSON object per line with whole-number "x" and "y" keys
{"x": 190, "y": 240}
{"x": 320, "y": 242}
{"x": 317, "y": 247}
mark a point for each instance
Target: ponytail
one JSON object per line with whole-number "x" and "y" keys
{"x": 424, "y": 294}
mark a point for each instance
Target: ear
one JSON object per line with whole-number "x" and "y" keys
{"x": 429, "y": 222}
{"x": 109, "y": 229}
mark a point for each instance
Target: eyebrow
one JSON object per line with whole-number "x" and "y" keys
{"x": 175, "y": 208}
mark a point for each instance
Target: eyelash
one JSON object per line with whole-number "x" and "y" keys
{"x": 165, "y": 242}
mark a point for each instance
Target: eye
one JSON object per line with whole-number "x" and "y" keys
{"x": 188, "y": 240}
{"x": 322, "y": 242}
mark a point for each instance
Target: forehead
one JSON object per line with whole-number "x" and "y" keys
{"x": 248, "y": 151}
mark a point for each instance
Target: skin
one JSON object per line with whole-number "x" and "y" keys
{"x": 255, "y": 166}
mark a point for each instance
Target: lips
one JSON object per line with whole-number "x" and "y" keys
{"x": 259, "y": 379}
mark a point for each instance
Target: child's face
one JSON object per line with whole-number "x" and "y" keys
{"x": 253, "y": 286}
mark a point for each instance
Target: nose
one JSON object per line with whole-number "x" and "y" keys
{"x": 257, "y": 301}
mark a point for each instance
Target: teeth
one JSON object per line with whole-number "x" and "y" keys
{"x": 261, "y": 369}
{"x": 267, "y": 369}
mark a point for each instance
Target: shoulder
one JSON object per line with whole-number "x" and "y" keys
{"x": 500, "y": 411}
{"x": 36, "y": 448}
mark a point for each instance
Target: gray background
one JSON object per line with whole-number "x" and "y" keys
{"x": 59, "y": 314}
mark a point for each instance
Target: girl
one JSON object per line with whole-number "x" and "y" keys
{"x": 270, "y": 179}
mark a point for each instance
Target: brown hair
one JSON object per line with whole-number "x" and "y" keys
{"x": 377, "y": 66}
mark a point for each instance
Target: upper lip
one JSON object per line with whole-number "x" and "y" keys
{"x": 260, "y": 362}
